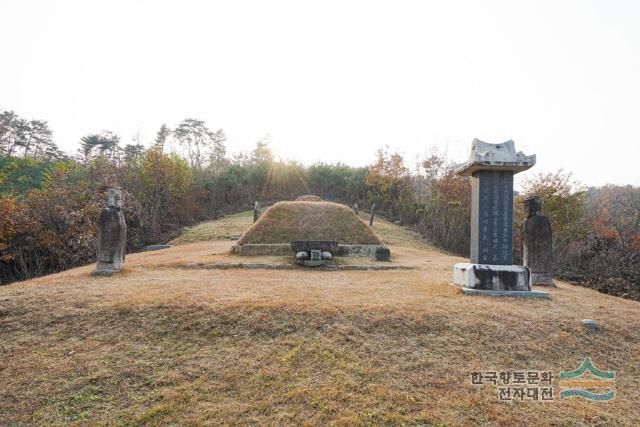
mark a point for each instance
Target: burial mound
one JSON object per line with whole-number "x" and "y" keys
{"x": 308, "y": 198}
{"x": 285, "y": 222}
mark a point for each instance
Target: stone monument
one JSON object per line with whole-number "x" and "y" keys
{"x": 112, "y": 235}
{"x": 491, "y": 270}
{"x": 537, "y": 243}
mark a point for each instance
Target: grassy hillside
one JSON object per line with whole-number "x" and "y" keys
{"x": 220, "y": 229}
{"x": 166, "y": 344}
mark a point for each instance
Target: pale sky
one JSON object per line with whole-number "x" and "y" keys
{"x": 334, "y": 80}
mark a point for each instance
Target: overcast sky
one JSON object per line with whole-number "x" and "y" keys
{"x": 333, "y": 81}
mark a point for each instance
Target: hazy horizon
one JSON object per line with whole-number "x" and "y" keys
{"x": 334, "y": 81}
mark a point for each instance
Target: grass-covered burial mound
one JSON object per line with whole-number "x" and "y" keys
{"x": 285, "y": 222}
{"x": 308, "y": 198}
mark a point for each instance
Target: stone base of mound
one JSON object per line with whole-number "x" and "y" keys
{"x": 257, "y": 249}
{"x": 358, "y": 250}
{"x": 284, "y": 249}
{"x": 275, "y": 266}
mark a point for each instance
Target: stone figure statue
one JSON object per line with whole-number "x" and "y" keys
{"x": 112, "y": 235}
{"x": 537, "y": 244}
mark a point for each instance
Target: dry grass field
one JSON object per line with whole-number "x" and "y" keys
{"x": 162, "y": 344}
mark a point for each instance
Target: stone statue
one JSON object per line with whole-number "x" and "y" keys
{"x": 537, "y": 244}
{"x": 112, "y": 235}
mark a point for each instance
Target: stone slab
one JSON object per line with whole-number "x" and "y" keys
{"x": 491, "y": 277}
{"x": 313, "y": 263}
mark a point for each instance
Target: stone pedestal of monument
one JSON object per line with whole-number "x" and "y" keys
{"x": 485, "y": 277}
{"x": 491, "y": 270}
{"x": 112, "y": 236}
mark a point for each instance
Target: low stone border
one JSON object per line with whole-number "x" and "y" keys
{"x": 358, "y": 250}
{"x": 375, "y": 267}
{"x": 230, "y": 265}
{"x": 262, "y": 249}
{"x": 273, "y": 266}
{"x": 155, "y": 248}
{"x": 253, "y": 249}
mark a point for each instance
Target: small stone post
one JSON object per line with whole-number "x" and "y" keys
{"x": 256, "y": 211}
{"x": 537, "y": 243}
{"x": 373, "y": 207}
{"x": 112, "y": 235}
